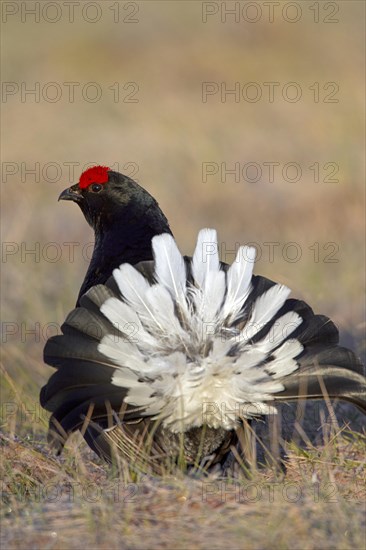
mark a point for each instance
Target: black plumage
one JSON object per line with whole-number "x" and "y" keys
{"x": 124, "y": 217}
{"x": 122, "y": 389}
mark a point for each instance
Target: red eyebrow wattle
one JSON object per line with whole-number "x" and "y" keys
{"x": 95, "y": 174}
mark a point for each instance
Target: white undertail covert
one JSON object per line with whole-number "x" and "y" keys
{"x": 189, "y": 358}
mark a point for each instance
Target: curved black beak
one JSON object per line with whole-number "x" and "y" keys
{"x": 72, "y": 193}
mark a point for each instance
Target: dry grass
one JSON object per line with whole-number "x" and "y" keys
{"x": 169, "y": 134}
{"x": 73, "y": 500}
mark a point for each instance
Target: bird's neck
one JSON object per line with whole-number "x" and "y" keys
{"x": 127, "y": 241}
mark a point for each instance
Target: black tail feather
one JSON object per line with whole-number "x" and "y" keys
{"x": 334, "y": 372}
{"x": 82, "y": 385}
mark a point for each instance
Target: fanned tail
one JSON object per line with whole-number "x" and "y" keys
{"x": 164, "y": 341}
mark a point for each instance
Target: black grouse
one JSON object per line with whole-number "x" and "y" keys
{"x": 165, "y": 356}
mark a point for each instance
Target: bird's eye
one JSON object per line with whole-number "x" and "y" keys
{"x": 96, "y": 187}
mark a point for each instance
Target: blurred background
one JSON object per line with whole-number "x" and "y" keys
{"x": 240, "y": 116}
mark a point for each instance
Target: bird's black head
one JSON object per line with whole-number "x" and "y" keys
{"x": 124, "y": 216}
{"x": 110, "y": 200}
